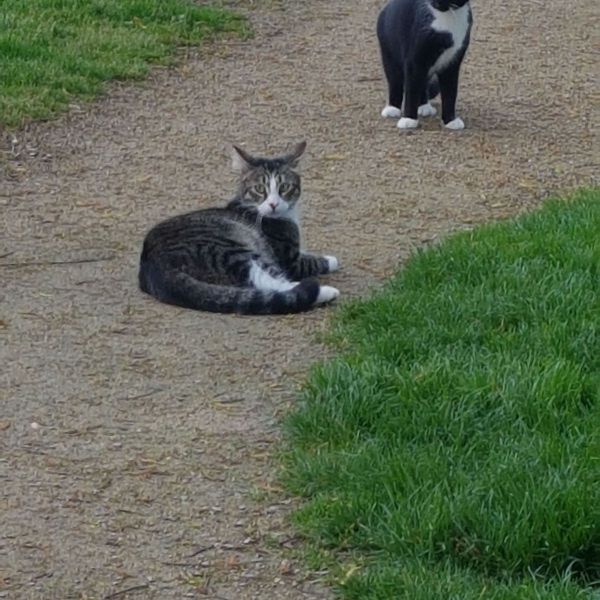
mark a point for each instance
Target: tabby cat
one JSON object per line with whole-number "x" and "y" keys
{"x": 423, "y": 43}
{"x": 242, "y": 258}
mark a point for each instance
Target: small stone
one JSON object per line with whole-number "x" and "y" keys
{"x": 232, "y": 562}
{"x": 285, "y": 567}
{"x": 35, "y": 425}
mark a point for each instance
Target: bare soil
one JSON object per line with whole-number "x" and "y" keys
{"x": 137, "y": 439}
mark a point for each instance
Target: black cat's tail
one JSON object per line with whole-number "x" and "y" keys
{"x": 433, "y": 88}
{"x": 181, "y": 289}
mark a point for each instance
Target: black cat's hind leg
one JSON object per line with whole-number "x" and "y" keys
{"x": 425, "y": 108}
{"x": 449, "y": 89}
{"x": 395, "y": 79}
{"x": 415, "y": 84}
{"x": 394, "y": 73}
{"x": 433, "y": 87}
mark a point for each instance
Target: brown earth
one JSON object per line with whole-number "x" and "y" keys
{"x": 137, "y": 439}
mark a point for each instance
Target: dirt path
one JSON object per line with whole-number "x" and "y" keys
{"x": 136, "y": 438}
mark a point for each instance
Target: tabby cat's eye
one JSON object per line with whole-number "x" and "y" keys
{"x": 260, "y": 188}
{"x": 285, "y": 188}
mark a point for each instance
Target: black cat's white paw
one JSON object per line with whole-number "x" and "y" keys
{"x": 391, "y": 112}
{"x": 456, "y": 124}
{"x": 407, "y": 123}
{"x": 426, "y": 110}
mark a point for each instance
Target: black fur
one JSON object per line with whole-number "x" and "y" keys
{"x": 410, "y": 48}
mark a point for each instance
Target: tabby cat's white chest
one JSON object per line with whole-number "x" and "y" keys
{"x": 456, "y": 23}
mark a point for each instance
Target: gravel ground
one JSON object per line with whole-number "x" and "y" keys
{"x": 137, "y": 439}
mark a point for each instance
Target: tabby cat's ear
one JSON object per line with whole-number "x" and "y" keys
{"x": 295, "y": 154}
{"x": 241, "y": 160}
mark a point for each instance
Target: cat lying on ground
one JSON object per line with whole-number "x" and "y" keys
{"x": 242, "y": 258}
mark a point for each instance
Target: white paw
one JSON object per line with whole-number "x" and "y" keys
{"x": 426, "y": 110}
{"x": 406, "y": 123}
{"x": 456, "y": 124}
{"x": 390, "y": 112}
{"x": 327, "y": 294}
{"x": 333, "y": 264}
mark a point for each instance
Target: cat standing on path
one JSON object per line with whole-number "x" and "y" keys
{"x": 423, "y": 43}
{"x": 245, "y": 257}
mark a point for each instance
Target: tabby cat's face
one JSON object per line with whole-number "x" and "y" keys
{"x": 274, "y": 191}
{"x": 271, "y": 184}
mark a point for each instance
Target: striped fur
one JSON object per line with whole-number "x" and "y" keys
{"x": 243, "y": 258}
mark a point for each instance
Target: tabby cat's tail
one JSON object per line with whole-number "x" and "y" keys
{"x": 181, "y": 289}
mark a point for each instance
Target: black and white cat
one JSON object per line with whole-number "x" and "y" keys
{"x": 423, "y": 43}
{"x": 244, "y": 257}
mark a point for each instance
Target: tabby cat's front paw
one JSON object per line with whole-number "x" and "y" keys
{"x": 333, "y": 264}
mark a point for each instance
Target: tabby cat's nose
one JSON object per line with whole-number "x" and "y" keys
{"x": 273, "y": 205}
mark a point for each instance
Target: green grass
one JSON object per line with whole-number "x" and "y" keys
{"x": 55, "y": 51}
{"x": 452, "y": 450}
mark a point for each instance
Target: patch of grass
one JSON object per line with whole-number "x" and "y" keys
{"x": 453, "y": 449}
{"x": 54, "y": 51}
